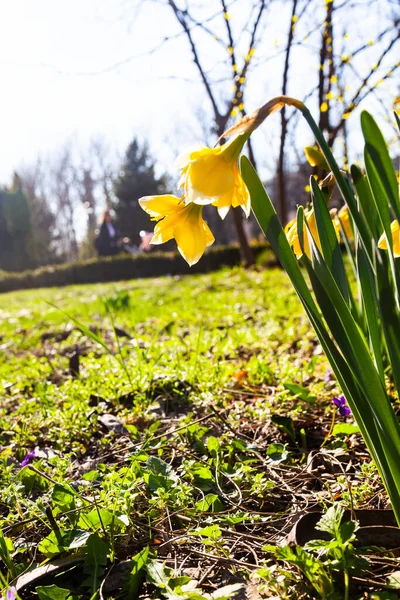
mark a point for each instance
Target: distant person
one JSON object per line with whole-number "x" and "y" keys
{"x": 106, "y": 240}
{"x": 146, "y": 237}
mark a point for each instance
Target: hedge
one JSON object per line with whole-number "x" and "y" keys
{"x": 124, "y": 266}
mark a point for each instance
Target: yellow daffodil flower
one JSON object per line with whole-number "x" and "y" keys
{"x": 293, "y": 238}
{"x": 212, "y": 176}
{"x": 344, "y": 217}
{"x": 383, "y": 243}
{"x": 181, "y": 221}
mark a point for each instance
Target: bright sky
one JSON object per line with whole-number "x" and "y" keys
{"x": 59, "y": 80}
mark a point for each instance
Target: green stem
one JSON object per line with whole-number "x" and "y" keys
{"x": 328, "y": 435}
{"x": 346, "y": 585}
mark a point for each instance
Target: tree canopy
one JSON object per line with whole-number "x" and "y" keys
{"x": 137, "y": 178}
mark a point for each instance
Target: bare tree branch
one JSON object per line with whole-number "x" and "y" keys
{"x": 182, "y": 20}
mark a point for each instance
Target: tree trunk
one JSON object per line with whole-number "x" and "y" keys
{"x": 246, "y": 252}
{"x": 280, "y": 174}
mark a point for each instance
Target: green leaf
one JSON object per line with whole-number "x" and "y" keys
{"x": 158, "y": 574}
{"x": 226, "y": 592}
{"x": 136, "y": 574}
{"x": 60, "y": 541}
{"x": 213, "y": 445}
{"x": 373, "y": 408}
{"x": 95, "y": 562}
{"x": 361, "y": 386}
{"x": 300, "y": 391}
{"x": 99, "y": 519}
{"x": 378, "y": 151}
{"x": 393, "y": 581}
{"x": 63, "y": 497}
{"x": 6, "y": 548}
{"x": 284, "y": 424}
{"x": 330, "y": 521}
{"x": 396, "y": 116}
{"x": 211, "y": 531}
{"x": 383, "y": 208}
{"x": 328, "y": 240}
{"x": 389, "y": 315}
{"x": 347, "y": 530}
{"x": 311, "y": 567}
{"x": 341, "y": 181}
{"x": 319, "y": 546}
{"x": 366, "y": 281}
{"x": 202, "y": 476}
{"x": 91, "y": 475}
{"x": 159, "y": 467}
{"x": 53, "y": 592}
{"x": 156, "y": 482}
{"x": 277, "y": 452}
{"x": 210, "y": 503}
{"x": 366, "y": 201}
{"x": 52, "y": 544}
{"x": 345, "y": 429}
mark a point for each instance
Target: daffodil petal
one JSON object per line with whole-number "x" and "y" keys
{"x": 344, "y": 217}
{"x": 198, "y": 197}
{"x": 223, "y": 204}
{"x": 383, "y": 243}
{"x": 159, "y": 206}
{"x": 184, "y": 158}
{"x": 192, "y": 237}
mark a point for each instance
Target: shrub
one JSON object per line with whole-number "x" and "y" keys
{"x": 122, "y": 267}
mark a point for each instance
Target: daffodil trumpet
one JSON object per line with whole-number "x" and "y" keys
{"x": 212, "y": 176}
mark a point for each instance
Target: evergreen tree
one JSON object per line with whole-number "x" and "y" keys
{"x": 16, "y": 227}
{"x": 43, "y": 239}
{"x": 136, "y": 179}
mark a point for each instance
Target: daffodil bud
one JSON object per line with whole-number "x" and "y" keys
{"x": 315, "y": 158}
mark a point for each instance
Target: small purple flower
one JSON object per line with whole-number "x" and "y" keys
{"x": 11, "y": 593}
{"x": 28, "y": 458}
{"x": 328, "y": 376}
{"x": 340, "y": 403}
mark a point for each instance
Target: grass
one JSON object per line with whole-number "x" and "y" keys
{"x": 177, "y": 425}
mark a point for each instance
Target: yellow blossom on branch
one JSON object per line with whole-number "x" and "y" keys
{"x": 181, "y": 221}
{"x": 212, "y": 176}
